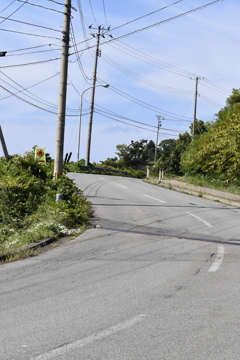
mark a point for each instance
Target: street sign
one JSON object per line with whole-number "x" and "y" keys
{"x": 40, "y": 154}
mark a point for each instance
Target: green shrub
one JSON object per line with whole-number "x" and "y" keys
{"x": 28, "y": 207}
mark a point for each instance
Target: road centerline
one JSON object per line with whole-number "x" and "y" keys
{"x": 124, "y": 187}
{"x": 218, "y": 260}
{"x": 153, "y": 198}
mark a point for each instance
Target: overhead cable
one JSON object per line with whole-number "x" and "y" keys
{"x": 14, "y": 11}
{"x": 32, "y": 63}
{"x": 166, "y": 20}
{"x": 7, "y": 6}
{"x": 151, "y": 13}
{"x": 61, "y": 12}
{"x": 144, "y": 104}
{"x": 36, "y": 106}
{"x": 25, "y": 23}
{"x": 23, "y": 33}
{"x": 145, "y": 80}
{"x": 29, "y": 48}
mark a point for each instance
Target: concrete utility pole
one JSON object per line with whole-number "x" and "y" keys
{"x": 4, "y": 147}
{"x": 158, "y": 128}
{"x": 58, "y": 163}
{"x": 195, "y": 106}
{"x": 101, "y": 32}
{"x": 80, "y": 119}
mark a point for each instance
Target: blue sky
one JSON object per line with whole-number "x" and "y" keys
{"x": 150, "y": 72}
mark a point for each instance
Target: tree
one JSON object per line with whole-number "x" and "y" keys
{"x": 171, "y": 151}
{"x": 166, "y": 158}
{"x": 217, "y": 152}
{"x": 234, "y": 98}
{"x": 149, "y": 151}
{"x": 199, "y": 127}
{"x": 133, "y": 155}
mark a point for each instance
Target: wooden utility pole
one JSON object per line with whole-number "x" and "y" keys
{"x": 58, "y": 163}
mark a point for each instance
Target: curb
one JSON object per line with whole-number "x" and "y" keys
{"x": 34, "y": 246}
{"x": 198, "y": 191}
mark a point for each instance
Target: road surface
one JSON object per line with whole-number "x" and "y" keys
{"x": 156, "y": 278}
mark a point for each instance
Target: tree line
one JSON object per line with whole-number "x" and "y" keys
{"x": 213, "y": 150}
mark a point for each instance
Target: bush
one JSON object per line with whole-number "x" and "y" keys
{"x": 28, "y": 207}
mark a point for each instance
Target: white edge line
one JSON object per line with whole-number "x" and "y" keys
{"x": 218, "y": 260}
{"x": 90, "y": 339}
{"x": 150, "y": 197}
{"x": 197, "y": 217}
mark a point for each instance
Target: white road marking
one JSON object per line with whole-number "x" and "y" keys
{"x": 124, "y": 187}
{"x": 218, "y": 260}
{"x": 150, "y": 197}
{"x": 197, "y": 217}
{"x": 89, "y": 339}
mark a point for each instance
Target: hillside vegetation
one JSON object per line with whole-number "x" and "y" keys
{"x": 216, "y": 152}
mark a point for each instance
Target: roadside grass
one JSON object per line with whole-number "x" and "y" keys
{"x": 220, "y": 183}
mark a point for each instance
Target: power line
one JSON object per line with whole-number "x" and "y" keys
{"x": 29, "y": 48}
{"x": 144, "y": 104}
{"x": 104, "y": 9}
{"x": 92, "y": 12}
{"x": 30, "y": 103}
{"x": 143, "y": 79}
{"x": 7, "y": 6}
{"x": 61, "y": 12}
{"x": 86, "y": 78}
{"x": 146, "y": 58}
{"x": 109, "y": 112}
{"x": 32, "y": 63}
{"x": 34, "y": 52}
{"x": 166, "y": 20}
{"x": 27, "y": 89}
{"x": 151, "y": 13}
{"x": 25, "y": 23}
{"x": 136, "y": 126}
{"x": 56, "y": 2}
{"x": 83, "y": 25}
{"x": 14, "y": 11}
{"x": 23, "y": 33}
{"x": 124, "y": 122}
{"x": 217, "y": 87}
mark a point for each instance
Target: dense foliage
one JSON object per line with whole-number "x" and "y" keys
{"x": 170, "y": 152}
{"x": 28, "y": 207}
{"x": 136, "y": 155}
{"x": 216, "y": 153}
{"x": 213, "y": 151}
